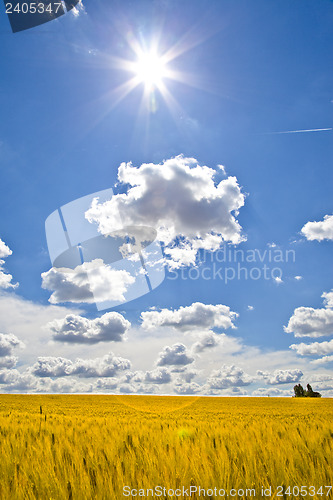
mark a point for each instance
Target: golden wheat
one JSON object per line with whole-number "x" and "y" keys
{"x": 90, "y": 447}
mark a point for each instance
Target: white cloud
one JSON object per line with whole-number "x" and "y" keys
{"x": 111, "y": 326}
{"x": 137, "y": 388}
{"x": 228, "y": 376}
{"x": 328, "y": 298}
{"x": 185, "y": 375}
{"x": 323, "y": 383}
{"x": 193, "y": 317}
{"x": 182, "y": 254}
{"x": 7, "y": 343}
{"x": 5, "y": 251}
{"x": 132, "y": 377}
{"x": 158, "y": 376}
{"x": 187, "y": 388}
{"x": 78, "y": 9}
{"x": 5, "y": 278}
{"x": 179, "y": 199}
{"x": 174, "y": 355}
{"x": 281, "y": 376}
{"x": 250, "y": 308}
{"x": 310, "y": 322}
{"x": 52, "y": 367}
{"x": 207, "y": 341}
{"x": 64, "y": 386}
{"x": 322, "y": 230}
{"x": 89, "y": 282}
{"x": 298, "y": 278}
{"x": 274, "y": 392}
{"x": 315, "y": 348}
{"x": 322, "y": 361}
{"x": 9, "y": 376}
{"x": 278, "y": 280}
{"x": 14, "y": 381}
{"x": 321, "y": 377}
{"x": 107, "y": 366}
{"x": 222, "y": 168}
{"x": 8, "y": 362}
{"x": 109, "y": 384}
{"x": 26, "y": 320}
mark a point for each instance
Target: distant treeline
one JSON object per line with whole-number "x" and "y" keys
{"x": 300, "y": 392}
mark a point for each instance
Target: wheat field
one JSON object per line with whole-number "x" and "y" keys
{"x": 91, "y": 447}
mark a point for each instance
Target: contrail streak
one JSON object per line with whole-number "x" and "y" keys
{"x": 300, "y": 131}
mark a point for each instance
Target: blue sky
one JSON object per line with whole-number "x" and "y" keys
{"x": 250, "y": 70}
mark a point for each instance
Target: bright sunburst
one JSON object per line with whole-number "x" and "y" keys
{"x": 150, "y": 70}
{"x": 153, "y": 70}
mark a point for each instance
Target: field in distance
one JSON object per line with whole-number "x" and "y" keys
{"x": 90, "y": 447}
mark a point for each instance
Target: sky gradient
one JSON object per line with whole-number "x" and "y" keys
{"x": 232, "y": 153}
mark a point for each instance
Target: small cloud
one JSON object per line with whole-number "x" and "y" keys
{"x": 175, "y": 355}
{"x": 328, "y": 299}
{"x": 190, "y": 123}
{"x": 313, "y": 349}
{"x": 8, "y": 343}
{"x": 5, "y": 278}
{"x": 281, "y": 376}
{"x": 298, "y": 278}
{"x": 197, "y": 316}
{"x": 322, "y": 361}
{"x": 207, "y": 341}
{"x": 158, "y": 376}
{"x": 319, "y": 231}
{"x": 311, "y": 322}
{"x": 187, "y": 388}
{"x": 271, "y": 245}
{"x": 110, "y": 327}
{"x": 272, "y": 391}
{"x": 250, "y": 308}
{"x": 226, "y": 377}
{"x": 222, "y": 168}
{"x": 78, "y": 9}
{"x": 278, "y": 280}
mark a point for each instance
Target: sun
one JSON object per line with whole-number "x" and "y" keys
{"x": 155, "y": 71}
{"x": 150, "y": 69}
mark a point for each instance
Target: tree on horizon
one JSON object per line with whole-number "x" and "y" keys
{"x": 300, "y": 392}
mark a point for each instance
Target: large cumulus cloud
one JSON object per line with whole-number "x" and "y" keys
{"x": 180, "y": 200}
